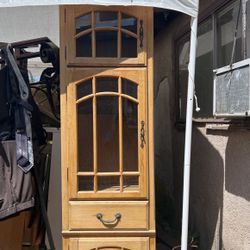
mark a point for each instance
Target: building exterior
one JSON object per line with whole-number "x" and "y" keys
{"x": 220, "y": 201}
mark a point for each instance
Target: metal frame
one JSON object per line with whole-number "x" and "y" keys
{"x": 225, "y": 70}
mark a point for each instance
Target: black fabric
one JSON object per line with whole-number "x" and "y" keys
{"x": 36, "y": 122}
{"x": 16, "y": 190}
{"x": 6, "y": 119}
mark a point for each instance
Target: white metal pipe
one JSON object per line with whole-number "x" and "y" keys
{"x": 188, "y": 133}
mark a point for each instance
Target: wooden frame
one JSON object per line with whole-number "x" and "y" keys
{"x": 77, "y": 76}
{"x": 211, "y": 11}
{"x": 75, "y": 235}
{"x": 135, "y": 243}
{"x": 73, "y": 12}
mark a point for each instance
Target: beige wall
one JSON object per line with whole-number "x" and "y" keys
{"x": 220, "y": 171}
{"x": 24, "y": 23}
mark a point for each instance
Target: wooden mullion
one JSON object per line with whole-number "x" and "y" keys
{"x": 82, "y": 33}
{"x": 95, "y": 134}
{"x": 120, "y": 133}
{"x": 106, "y": 28}
{"x": 108, "y": 174}
{"x": 131, "y": 173}
{"x": 85, "y": 174}
{"x": 130, "y": 33}
{"x": 82, "y": 99}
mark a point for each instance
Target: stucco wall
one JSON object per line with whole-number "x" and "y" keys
{"x": 24, "y": 23}
{"x": 220, "y": 170}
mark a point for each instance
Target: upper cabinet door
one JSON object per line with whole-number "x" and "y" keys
{"x": 107, "y": 133}
{"x": 101, "y": 36}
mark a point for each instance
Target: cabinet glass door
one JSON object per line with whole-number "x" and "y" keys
{"x": 106, "y": 35}
{"x": 110, "y": 134}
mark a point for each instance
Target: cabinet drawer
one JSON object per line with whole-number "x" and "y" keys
{"x": 108, "y": 215}
{"x": 121, "y": 243}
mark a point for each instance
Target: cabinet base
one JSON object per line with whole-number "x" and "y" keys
{"x": 109, "y": 243}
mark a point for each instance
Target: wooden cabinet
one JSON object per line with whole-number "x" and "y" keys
{"x": 106, "y": 36}
{"x": 139, "y": 243}
{"x": 107, "y": 127}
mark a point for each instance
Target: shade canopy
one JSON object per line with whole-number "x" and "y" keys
{"x": 189, "y": 7}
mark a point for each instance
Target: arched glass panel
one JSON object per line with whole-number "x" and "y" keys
{"x": 106, "y": 19}
{"x": 129, "y": 46}
{"x": 107, "y": 134}
{"x": 129, "y": 88}
{"x": 85, "y": 135}
{"x": 84, "y": 45}
{"x": 84, "y": 88}
{"x": 104, "y": 35}
{"x": 130, "y": 135}
{"x": 106, "y": 84}
{"x": 83, "y": 23}
{"x": 107, "y": 149}
{"x": 129, "y": 23}
{"x": 106, "y": 43}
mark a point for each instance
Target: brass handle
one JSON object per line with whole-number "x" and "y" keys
{"x": 117, "y": 218}
{"x": 142, "y": 134}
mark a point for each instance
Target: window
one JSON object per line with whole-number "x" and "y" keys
{"x": 215, "y": 43}
{"x": 107, "y": 121}
{"x": 104, "y": 34}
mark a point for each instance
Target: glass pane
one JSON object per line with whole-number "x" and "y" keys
{"x": 83, "y": 23}
{"x": 85, "y": 183}
{"x": 129, "y": 23}
{"x": 108, "y": 183}
{"x": 85, "y": 136}
{"x": 226, "y": 25}
{"x": 107, "y": 84}
{"x": 183, "y": 51}
{"x": 204, "y": 72}
{"x": 130, "y": 135}
{"x": 106, "y": 19}
{"x": 129, "y": 88}
{"x": 129, "y": 46}
{"x": 107, "y": 134}
{"x": 84, "y": 88}
{"x": 130, "y": 183}
{"x": 84, "y": 46}
{"x": 106, "y": 43}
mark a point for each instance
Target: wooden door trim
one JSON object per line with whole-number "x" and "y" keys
{"x": 77, "y": 76}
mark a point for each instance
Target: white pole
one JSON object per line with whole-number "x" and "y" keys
{"x": 188, "y": 134}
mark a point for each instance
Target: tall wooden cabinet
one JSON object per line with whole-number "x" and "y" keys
{"x": 107, "y": 128}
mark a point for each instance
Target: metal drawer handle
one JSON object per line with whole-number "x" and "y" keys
{"x": 113, "y": 222}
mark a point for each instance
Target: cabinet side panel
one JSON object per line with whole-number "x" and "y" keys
{"x": 150, "y": 38}
{"x": 63, "y": 106}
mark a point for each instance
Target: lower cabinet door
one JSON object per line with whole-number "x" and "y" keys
{"x": 117, "y": 243}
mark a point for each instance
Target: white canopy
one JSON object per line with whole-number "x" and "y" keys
{"x": 190, "y": 7}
